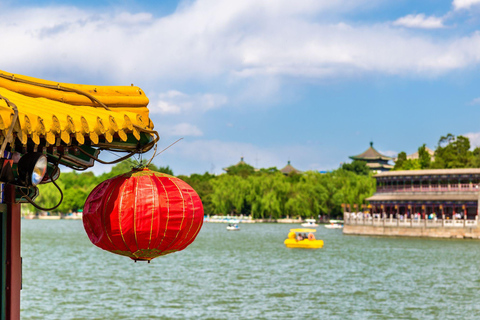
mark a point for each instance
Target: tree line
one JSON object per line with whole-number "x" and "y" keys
{"x": 264, "y": 193}
{"x": 451, "y": 152}
{"x": 267, "y": 193}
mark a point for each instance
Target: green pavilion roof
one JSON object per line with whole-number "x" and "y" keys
{"x": 370, "y": 154}
{"x": 289, "y": 169}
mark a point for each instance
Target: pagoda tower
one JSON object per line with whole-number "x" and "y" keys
{"x": 289, "y": 169}
{"x": 376, "y": 161}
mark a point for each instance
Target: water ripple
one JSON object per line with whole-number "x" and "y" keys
{"x": 249, "y": 275}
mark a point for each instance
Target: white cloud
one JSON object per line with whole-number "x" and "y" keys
{"x": 389, "y": 153}
{"x": 213, "y": 155}
{"x": 475, "y": 101}
{"x": 474, "y": 138}
{"x": 165, "y": 107}
{"x": 209, "y": 39}
{"x": 181, "y": 130}
{"x": 464, "y": 4}
{"x": 176, "y": 102}
{"x": 419, "y": 21}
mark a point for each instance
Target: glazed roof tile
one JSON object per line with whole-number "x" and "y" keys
{"x": 61, "y": 114}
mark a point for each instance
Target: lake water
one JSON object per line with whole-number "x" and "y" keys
{"x": 249, "y": 275}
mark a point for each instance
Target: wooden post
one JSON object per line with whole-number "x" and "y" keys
{"x": 397, "y": 209}
{"x": 13, "y": 267}
{"x": 424, "y": 215}
{"x": 411, "y": 216}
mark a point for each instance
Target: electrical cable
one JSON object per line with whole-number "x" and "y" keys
{"x": 106, "y": 162}
{"x": 30, "y": 200}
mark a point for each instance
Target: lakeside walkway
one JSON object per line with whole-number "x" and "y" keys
{"x": 383, "y": 225}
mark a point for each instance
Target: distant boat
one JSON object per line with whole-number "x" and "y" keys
{"x": 73, "y": 216}
{"x": 49, "y": 217}
{"x": 309, "y": 223}
{"x": 334, "y": 224}
{"x": 233, "y": 227}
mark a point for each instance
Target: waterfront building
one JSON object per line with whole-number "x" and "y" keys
{"x": 288, "y": 169}
{"x": 439, "y": 191}
{"x": 376, "y": 161}
{"x": 436, "y": 203}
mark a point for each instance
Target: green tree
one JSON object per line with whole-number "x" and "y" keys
{"x": 166, "y": 170}
{"x": 242, "y": 170}
{"x": 475, "y": 162}
{"x": 201, "y": 184}
{"x": 357, "y": 166}
{"x": 267, "y": 195}
{"x": 49, "y": 196}
{"x": 453, "y": 152}
{"x": 401, "y": 158}
{"x": 424, "y": 157}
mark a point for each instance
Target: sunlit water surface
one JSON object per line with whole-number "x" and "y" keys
{"x": 249, "y": 274}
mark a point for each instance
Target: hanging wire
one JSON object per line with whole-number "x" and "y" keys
{"x": 107, "y": 162}
{"x": 113, "y": 153}
{"x": 30, "y": 200}
{"x": 155, "y": 155}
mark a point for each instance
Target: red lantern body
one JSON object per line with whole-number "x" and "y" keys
{"x": 143, "y": 214}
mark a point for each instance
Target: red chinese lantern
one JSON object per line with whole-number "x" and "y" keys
{"x": 143, "y": 214}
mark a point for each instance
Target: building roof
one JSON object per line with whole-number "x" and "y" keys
{"x": 415, "y": 154}
{"x": 371, "y": 154}
{"x": 403, "y": 173}
{"x": 289, "y": 169}
{"x": 75, "y": 120}
{"x": 241, "y": 162}
{"x": 375, "y": 165}
{"x": 422, "y": 196}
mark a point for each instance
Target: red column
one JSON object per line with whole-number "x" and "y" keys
{"x": 14, "y": 261}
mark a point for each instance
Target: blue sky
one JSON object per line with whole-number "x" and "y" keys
{"x": 310, "y": 81}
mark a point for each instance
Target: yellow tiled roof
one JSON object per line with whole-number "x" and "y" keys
{"x": 51, "y": 113}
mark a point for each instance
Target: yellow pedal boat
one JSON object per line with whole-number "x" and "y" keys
{"x": 303, "y": 238}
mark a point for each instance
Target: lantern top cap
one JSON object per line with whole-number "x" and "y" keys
{"x": 140, "y": 169}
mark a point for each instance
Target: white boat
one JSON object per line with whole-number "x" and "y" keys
{"x": 334, "y": 224}
{"x": 309, "y": 223}
{"x": 233, "y": 227}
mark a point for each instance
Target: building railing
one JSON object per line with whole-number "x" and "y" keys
{"x": 379, "y": 220}
{"x": 424, "y": 188}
